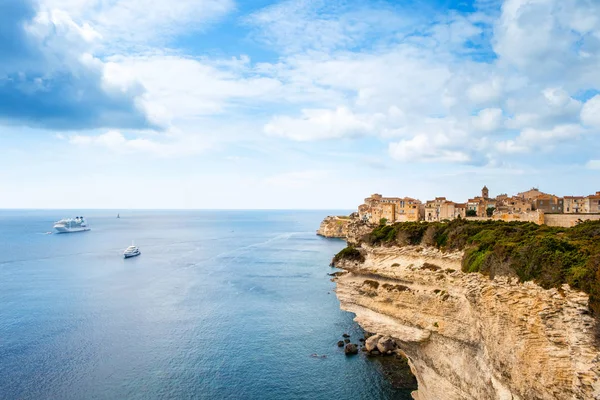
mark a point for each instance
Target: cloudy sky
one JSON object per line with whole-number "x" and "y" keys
{"x": 294, "y": 104}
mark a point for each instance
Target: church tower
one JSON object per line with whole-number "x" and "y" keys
{"x": 485, "y": 193}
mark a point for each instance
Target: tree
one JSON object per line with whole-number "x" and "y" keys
{"x": 490, "y": 211}
{"x": 383, "y": 221}
{"x": 471, "y": 213}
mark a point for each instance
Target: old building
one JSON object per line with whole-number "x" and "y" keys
{"x": 439, "y": 209}
{"x": 485, "y": 193}
{"x": 514, "y": 204}
{"x": 574, "y": 204}
{"x": 592, "y": 203}
{"x": 549, "y": 204}
{"x": 407, "y": 209}
{"x": 531, "y": 194}
{"x": 460, "y": 210}
{"x": 480, "y": 205}
{"x": 393, "y": 209}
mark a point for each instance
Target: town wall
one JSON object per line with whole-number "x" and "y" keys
{"x": 568, "y": 220}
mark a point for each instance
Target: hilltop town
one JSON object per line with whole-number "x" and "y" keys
{"x": 532, "y": 205}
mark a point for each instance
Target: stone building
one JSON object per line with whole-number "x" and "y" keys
{"x": 592, "y": 204}
{"x": 407, "y": 209}
{"x": 439, "y": 209}
{"x": 512, "y": 205}
{"x": 460, "y": 210}
{"x": 531, "y": 194}
{"x": 549, "y": 204}
{"x": 393, "y": 209}
{"x": 574, "y": 204}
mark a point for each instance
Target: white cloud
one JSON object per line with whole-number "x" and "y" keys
{"x": 546, "y": 139}
{"x": 375, "y": 71}
{"x": 550, "y": 39}
{"x": 179, "y": 87}
{"x": 511, "y": 147}
{"x": 296, "y": 25}
{"x": 486, "y": 92}
{"x": 140, "y": 21}
{"x": 590, "y": 114}
{"x": 488, "y": 119}
{"x": 321, "y": 124}
{"x": 593, "y": 164}
{"x": 175, "y": 144}
{"x": 550, "y": 136}
{"x": 423, "y": 148}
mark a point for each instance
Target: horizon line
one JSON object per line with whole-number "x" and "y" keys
{"x": 175, "y": 209}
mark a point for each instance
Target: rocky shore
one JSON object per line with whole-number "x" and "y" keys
{"x": 467, "y": 336}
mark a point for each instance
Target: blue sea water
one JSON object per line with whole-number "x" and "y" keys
{"x": 220, "y": 305}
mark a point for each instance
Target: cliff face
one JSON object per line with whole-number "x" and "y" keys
{"x": 348, "y": 228}
{"x": 469, "y": 337}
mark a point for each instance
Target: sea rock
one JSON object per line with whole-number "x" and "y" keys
{"x": 346, "y": 335}
{"x": 351, "y": 348}
{"x": 371, "y": 343}
{"x": 386, "y": 344}
{"x": 346, "y": 340}
{"x": 340, "y": 343}
{"x": 375, "y": 353}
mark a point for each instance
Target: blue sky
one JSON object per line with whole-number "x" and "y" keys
{"x": 294, "y": 104}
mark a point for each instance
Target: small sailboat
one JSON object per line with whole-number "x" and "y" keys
{"x": 118, "y": 215}
{"x": 131, "y": 251}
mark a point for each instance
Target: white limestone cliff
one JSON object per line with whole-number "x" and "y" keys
{"x": 469, "y": 337}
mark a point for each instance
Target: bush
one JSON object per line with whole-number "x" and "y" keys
{"x": 349, "y": 253}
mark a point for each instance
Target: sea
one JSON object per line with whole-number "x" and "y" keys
{"x": 219, "y": 305}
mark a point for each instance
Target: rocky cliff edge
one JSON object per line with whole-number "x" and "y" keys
{"x": 469, "y": 337}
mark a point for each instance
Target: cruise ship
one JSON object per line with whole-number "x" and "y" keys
{"x": 77, "y": 224}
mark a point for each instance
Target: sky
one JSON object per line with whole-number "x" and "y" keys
{"x": 293, "y": 104}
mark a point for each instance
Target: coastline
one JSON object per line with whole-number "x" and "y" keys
{"x": 391, "y": 361}
{"x": 468, "y": 336}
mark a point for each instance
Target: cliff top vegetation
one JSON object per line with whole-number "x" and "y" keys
{"x": 550, "y": 256}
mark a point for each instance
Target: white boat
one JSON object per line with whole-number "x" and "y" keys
{"x": 131, "y": 251}
{"x": 69, "y": 225}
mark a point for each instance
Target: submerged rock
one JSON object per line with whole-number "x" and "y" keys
{"x": 351, "y": 348}
{"x": 340, "y": 343}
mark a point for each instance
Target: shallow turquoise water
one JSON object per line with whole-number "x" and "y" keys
{"x": 220, "y": 305}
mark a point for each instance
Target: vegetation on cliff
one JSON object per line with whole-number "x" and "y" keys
{"x": 551, "y": 256}
{"x": 349, "y": 253}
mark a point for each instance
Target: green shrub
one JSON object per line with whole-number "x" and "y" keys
{"x": 348, "y": 253}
